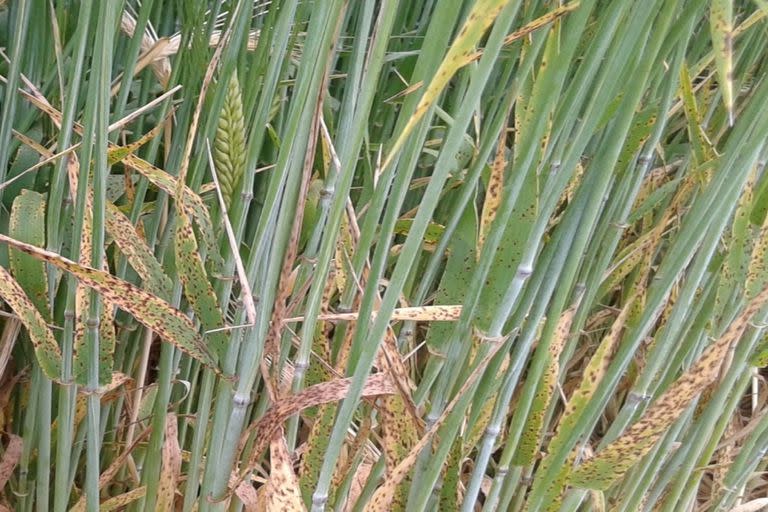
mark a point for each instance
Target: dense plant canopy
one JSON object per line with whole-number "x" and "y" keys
{"x": 383, "y": 255}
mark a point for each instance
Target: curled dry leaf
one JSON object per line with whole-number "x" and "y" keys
{"x": 323, "y": 393}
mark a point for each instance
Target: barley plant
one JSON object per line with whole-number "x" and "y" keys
{"x": 383, "y": 255}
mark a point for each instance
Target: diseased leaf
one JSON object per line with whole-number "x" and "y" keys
{"x": 11, "y": 457}
{"x": 414, "y": 314}
{"x": 109, "y": 474}
{"x": 615, "y": 460}
{"x": 702, "y": 148}
{"x": 455, "y": 280}
{"x": 324, "y": 393}
{"x": 27, "y": 224}
{"x": 191, "y": 203}
{"x": 494, "y": 191}
{"x": 383, "y": 497}
{"x": 449, "y": 493}
{"x": 46, "y": 349}
{"x": 317, "y": 443}
{"x": 150, "y": 310}
{"x": 510, "y": 251}
{"x": 399, "y": 436}
{"x": 169, "y": 475}
{"x": 545, "y": 389}
{"x": 139, "y": 255}
{"x": 121, "y": 500}
{"x": 553, "y": 489}
{"x": 197, "y": 287}
{"x": 116, "y": 154}
{"x": 759, "y": 356}
{"x": 431, "y": 235}
{"x": 131, "y": 244}
{"x": 282, "y": 492}
{"x": 541, "y": 21}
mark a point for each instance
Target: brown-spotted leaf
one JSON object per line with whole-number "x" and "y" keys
{"x": 193, "y": 204}
{"x": 139, "y": 255}
{"x": 171, "y": 470}
{"x": 415, "y": 314}
{"x": 593, "y": 374}
{"x": 197, "y": 287}
{"x": 545, "y": 390}
{"x": 399, "y": 435}
{"x": 540, "y": 22}
{"x": 150, "y": 310}
{"x": 382, "y": 498}
{"x": 117, "y": 154}
{"x": 46, "y": 349}
{"x": 282, "y": 492}
{"x": 616, "y": 459}
{"x": 493, "y": 192}
{"x": 121, "y": 500}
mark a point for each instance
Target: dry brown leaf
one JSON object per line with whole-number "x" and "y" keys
{"x": 251, "y": 498}
{"x": 752, "y": 506}
{"x": 121, "y": 500}
{"x": 358, "y": 482}
{"x": 323, "y": 393}
{"x": 10, "y": 458}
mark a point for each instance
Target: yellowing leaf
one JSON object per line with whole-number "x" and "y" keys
{"x": 461, "y": 53}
